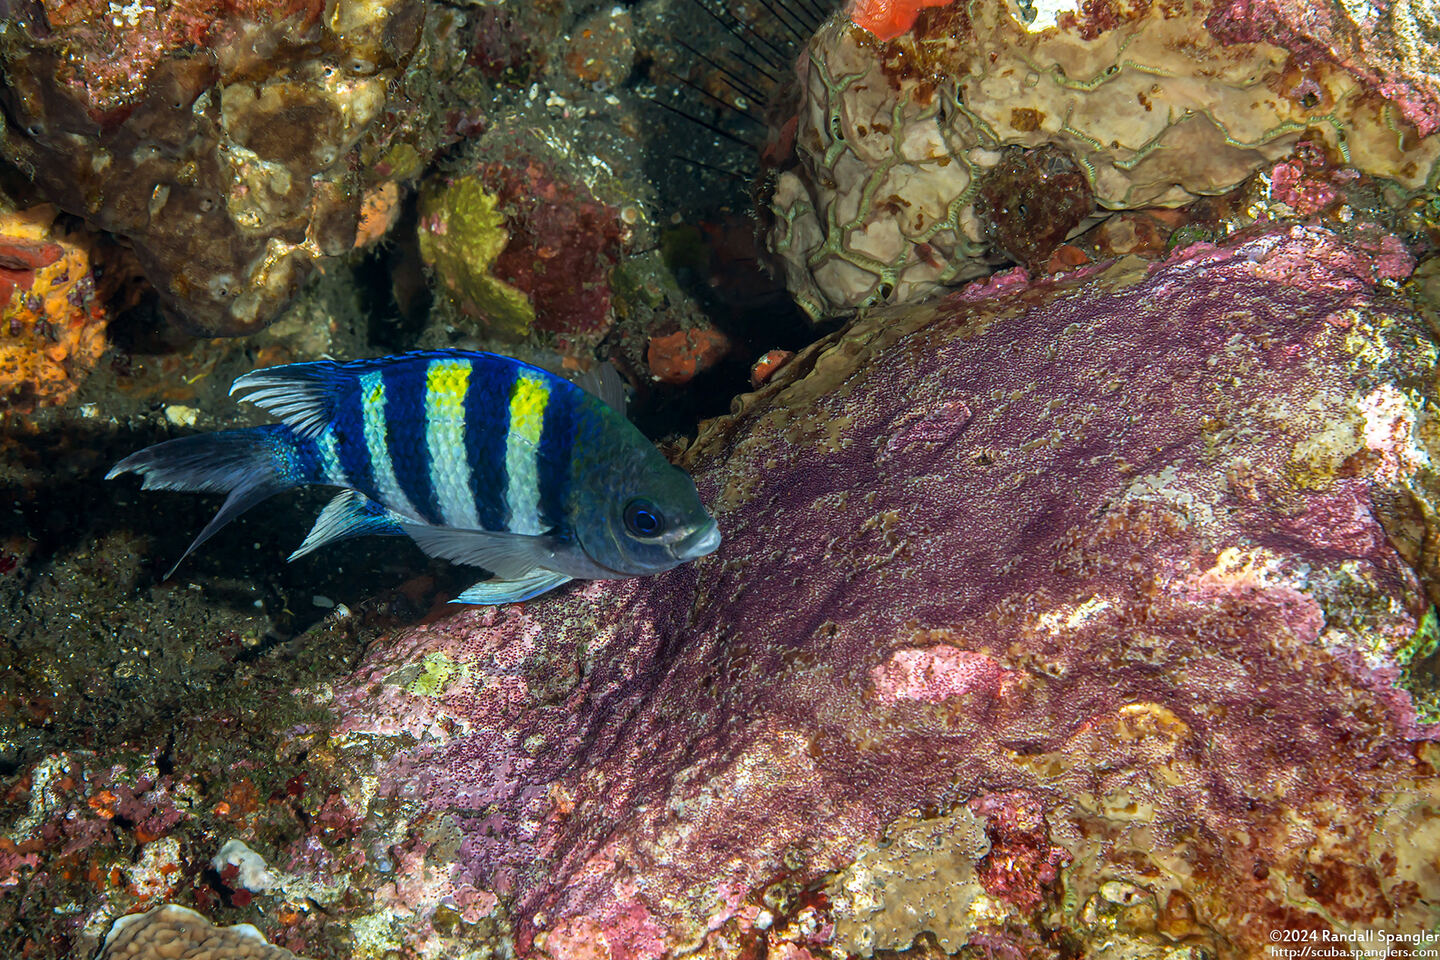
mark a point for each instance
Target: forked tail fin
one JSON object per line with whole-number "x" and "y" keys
{"x": 250, "y": 465}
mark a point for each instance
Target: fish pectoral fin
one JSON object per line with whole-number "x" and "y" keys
{"x": 509, "y": 556}
{"x": 531, "y": 585}
{"x": 351, "y": 514}
{"x": 603, "y": 381}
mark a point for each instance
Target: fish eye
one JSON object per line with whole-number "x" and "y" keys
{"x": 643, "y": 518}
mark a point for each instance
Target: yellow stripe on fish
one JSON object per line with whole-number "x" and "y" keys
{"x": 478, "y": 458}
{"x": 529, "y": 399}
{"x": 372, "y": 409}
{"x": 446, "y": 384}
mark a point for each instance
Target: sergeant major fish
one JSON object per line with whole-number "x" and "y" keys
{"x": 478, "y": 458}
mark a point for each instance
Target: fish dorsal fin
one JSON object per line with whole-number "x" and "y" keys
{"x": 509, "y": 556}
{"x": 351, "y": 514}
{"x": 531, "y": 585}
{"x": 604, "y": 381}
{"x": 303, "y": 395}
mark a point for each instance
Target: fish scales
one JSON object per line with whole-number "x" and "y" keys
{"x": 446, "y": 384}
{"x": 354, "y": 457}
{"x": 389, "y": 443}
{"x": 406, "y": 390}
{"x": 487, "y": 394}
{"x": 529, "y": 400}
{"x": 557, "y": 459}
{"x": 449, "y": 441}
{"x": 478, "y": 458}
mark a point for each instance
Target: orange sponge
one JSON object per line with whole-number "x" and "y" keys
{"x": 52, "y": 321}
{"x": 888, "y": 19}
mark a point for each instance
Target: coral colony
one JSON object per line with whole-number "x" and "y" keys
{"x": 1071, "y": 585}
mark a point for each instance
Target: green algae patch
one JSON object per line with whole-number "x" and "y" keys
{"x": 462, "y": 232}
{"x": 437, "y": 673}
{"x": 1420, "y": 658}
{"x": 404, "y": 161}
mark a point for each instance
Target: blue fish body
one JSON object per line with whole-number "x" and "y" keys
{"x": 478, "y": 458}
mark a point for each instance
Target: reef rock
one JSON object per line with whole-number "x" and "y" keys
{"x": 904, "y": 178}
{"x": 515, "y": 246}
{"x": 173, "y": 932}
{"x": 233, "y": 145}
{"x": 1080, "y": 612}
{"x": 1392, "y": 45}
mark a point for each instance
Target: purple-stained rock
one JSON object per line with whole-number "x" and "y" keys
{"x": 1079, "y": 615}
{"x": 1069, "y": 618}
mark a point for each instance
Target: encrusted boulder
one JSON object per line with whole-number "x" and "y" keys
{"x": 235, "y": 146}
{"x": 171, "y": 932}
{"x": 1085, "y": 611}
{"x": 1391, "y": 45}
{"x": 1083, "y": 617}
{"x": 904, "y": 180}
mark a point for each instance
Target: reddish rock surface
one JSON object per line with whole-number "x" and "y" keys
{"x": 1100, "y": 558}
{"x": 1067, "y": 617}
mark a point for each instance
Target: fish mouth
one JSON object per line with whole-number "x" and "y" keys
{"x": 704, "y": 541}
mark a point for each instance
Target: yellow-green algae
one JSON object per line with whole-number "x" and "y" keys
{"x": 1420, "y": 676}
{"x": 462, "y": 232}
{"x": 439, "y": 672}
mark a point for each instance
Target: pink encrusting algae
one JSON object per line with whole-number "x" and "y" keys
{"x": 1390, "y": 45}
{"x": 1100, "y": 557}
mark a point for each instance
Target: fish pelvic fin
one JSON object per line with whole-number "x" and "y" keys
{"x": 350, "y": 514}
{"x": 250, "y": 465}
{"x": 527, "y": 587}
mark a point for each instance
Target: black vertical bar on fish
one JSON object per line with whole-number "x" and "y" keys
{"x": 405, "y": 434}
{"x": 487, "y": 427}
{"x": 557, "y": 443}
{"x": 349, "y": 429}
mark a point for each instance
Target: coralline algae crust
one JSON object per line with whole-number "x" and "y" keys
{"x": 1095, "y": 565}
